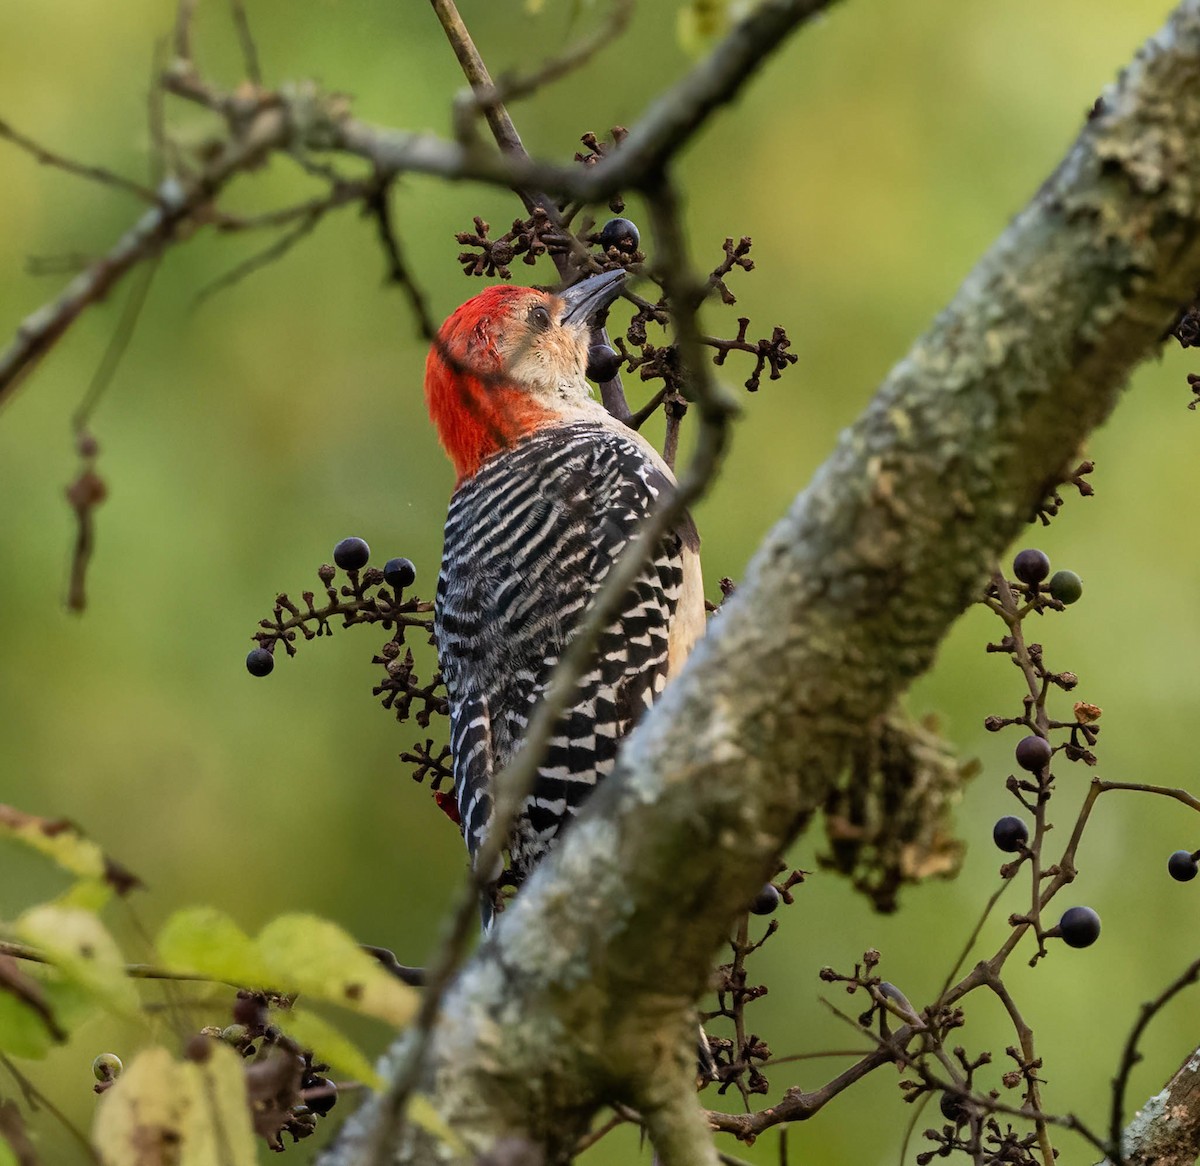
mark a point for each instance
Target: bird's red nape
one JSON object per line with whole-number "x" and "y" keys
{"x": 478, "y": 413}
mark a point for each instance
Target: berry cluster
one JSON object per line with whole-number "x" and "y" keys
{"x": 736, "y": 1059}
{"x": 1034, "y": 590}
{"x": 286, "y": 1087}
{"x": 588, "y": 249}
{"x": 369, "y": 596}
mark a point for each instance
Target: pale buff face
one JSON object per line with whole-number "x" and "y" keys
{"x": 544, "y": 355}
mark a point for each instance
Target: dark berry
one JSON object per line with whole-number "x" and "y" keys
{"x": 1010, "y": 834}
{"x": 323, "y": 1102}
{"x": 952, "y": 1107}
{"x": 198, "y": 1048}
{"x": 1033, "y": 753}
{"x": 765, "y": 901}
{"x": 398, "y": 574}
{"x": 603, "y": 363}
{"x": 1182, "y": 866}
{"x": 250, "y": 1010}
{"x": 621, "y": 234}
{"x": 351, "y": 554}
{"x": 1066, "y": 586}
{"x": 260, "y": 662}
{"x": 1079, "y": 927}
{"x": 107, "y": 1067}
{"x": 1031, "y": 566}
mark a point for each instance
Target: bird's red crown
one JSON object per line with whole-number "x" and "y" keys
{"x": 509, "y": 361}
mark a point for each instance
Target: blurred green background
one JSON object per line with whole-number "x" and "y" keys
{"x": 872, "y": 162}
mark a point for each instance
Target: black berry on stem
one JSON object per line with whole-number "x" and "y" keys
{"x": 1031, "y": 566}
{"x": 1033, "y": 753}
{"x": 399, "y": 573}
{"x": 765, "y": 901}
{"x": 1010, "y": 834}
{"x": 621, "y": 234}
{"x": 259, "y": 662}
{"x": 1079, "y": 927}
{"x": 351, "y": 554}
{"x": 603, "y": 363}
{"x": 325, "y": 1101}
{"x": 1182, "y": 866}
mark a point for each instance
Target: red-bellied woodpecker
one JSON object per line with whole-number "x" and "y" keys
{"x": 550, "y": 490}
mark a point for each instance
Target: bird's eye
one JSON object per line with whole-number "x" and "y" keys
{"x": 539, "y": 317}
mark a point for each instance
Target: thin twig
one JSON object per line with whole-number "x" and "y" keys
{"x": 156, "y": 121}
{"x": 1130, "y": 1057}
{"x": 80, "y": 169}
{"x": 590, "y": 1139}
{"x": 341, "y": 192}
{"x": 486, "y": 95}
{"x": 158, "y": 227}
{"x": 246, "y": 40}
{"x": 264, "y": 258}
{"x": 34, "y": 1098}
{"x": 183, "y": 29}
{"x": 118, "y": 343}
{"x": 379, "y": 206}
{"x": 971, "y": 939}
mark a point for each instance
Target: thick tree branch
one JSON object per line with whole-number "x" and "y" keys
{"x": 1166, "y": 1129}
{"x": 584, "y": 992}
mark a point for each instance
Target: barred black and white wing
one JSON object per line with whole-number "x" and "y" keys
{"x": 529, "y": 539}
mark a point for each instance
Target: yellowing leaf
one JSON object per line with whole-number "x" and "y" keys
{"x": 162, "y": 1112}
{"x": 80, "y": 946}
{"x": 420, "y": 1110}
{"x": 319, "y": 959}
{"x": 701, "y": 23}
{"x": 220, "y": 1131}
{"x": 344, "y": 1058}
{"x": 206, "y": 941}
{"x": 61, "y": 841}
{"x": 329, "y": 1045}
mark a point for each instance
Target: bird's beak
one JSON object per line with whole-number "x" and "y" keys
{"x": 589, "y": 296}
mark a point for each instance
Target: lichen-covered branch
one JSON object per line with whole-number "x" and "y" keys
{"x": 1165, "y": 1131}
{"x": 584, "y": 992}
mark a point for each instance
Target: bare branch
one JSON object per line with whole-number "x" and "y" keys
{"x": 81, "y": 170}
{"x": 184, "y": 15}
{"x": 246, "y": 40}
{"x": 268, "y": 255}
{"x": 172, "y": 218}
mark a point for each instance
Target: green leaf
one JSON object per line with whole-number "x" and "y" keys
{"x": 163, "y": 1110}
{"x": 207, "y": 942}
{"x": 24, "y": 1032}
{"x": 319, "y": 959}
{"x": 79, "y": 945}
{"x": 87, "y": 895}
